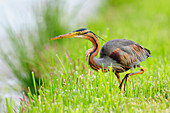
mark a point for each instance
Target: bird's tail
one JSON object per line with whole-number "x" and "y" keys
{"x": 148, "y": 52}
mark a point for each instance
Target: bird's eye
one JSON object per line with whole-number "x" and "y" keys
{"x": 80, "y": 32}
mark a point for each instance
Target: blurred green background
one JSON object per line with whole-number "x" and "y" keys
{"x": 145, "y": 22}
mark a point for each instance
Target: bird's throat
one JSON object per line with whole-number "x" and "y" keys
{"x": 92, "y": 52}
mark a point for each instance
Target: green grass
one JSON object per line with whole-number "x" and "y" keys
{"x": 30, "y": 47}
{"x": 81, "y": 91}
{"x": 73, "y": 87}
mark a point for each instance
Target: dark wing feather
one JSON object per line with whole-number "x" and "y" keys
{"x": 125, "y": 52}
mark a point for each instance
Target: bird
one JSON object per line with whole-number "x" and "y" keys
{"x": 119, "y": 54}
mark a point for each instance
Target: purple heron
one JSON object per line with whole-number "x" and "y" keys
{"x": 121, "y": 54}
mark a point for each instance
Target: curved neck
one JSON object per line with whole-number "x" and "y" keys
{"x": 92, "y": 51}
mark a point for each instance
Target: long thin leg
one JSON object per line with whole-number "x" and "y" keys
{"x": 126, "y": 76}
{"x": 118, "y": 77}
{"x": 125, "y": 84}
{"x": 130, "y": 74}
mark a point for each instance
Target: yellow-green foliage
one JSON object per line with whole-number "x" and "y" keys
{"x": 73, "y": 87}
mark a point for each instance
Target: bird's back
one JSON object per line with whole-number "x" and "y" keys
{"x": 111, "y": 45}
{"x": 125, "y": 52}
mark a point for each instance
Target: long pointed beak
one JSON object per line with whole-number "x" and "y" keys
{"x": 68, "y": 35}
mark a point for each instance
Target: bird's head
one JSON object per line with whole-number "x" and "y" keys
{"x": 85, "y": 34}
{"x": 75, "y": 34}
